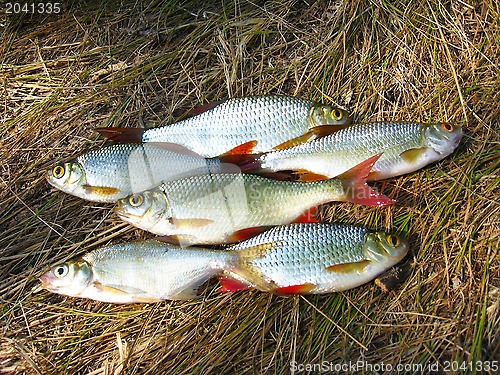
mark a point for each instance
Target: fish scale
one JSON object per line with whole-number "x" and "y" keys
{"x": 404, "y": 147}
{"x": 295, "y": 258}
{"x": 113, "y": 172}
{"x": 227, "y": 207}
{"x": 301, "y": 254}
{"x": 269, "y": 120}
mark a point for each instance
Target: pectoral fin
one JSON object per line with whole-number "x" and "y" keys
{"x": 191, "y": 222}
{"x": 100, "y": 190}
{"x": 349, "y": 267}
{"x": 128, "y": 294}
{"x": 413, "y": 155}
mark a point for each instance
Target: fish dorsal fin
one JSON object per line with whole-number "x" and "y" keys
{"x": 351, "y": 267}
{"x": 312, "y": 134}
{"x": 121, "y": 135}
{"x": 204, "y": 108}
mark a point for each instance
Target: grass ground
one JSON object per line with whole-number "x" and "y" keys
{"x": 113, "y": 63}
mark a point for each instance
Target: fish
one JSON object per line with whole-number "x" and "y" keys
{"x": 223, "y": 208}
{"x": 136, "y": 272}
{"x": 270, "y": 121}
{"x": 299, "y": 258}
{"x": 117, "y": 171}
{"x": 404, "y": 147}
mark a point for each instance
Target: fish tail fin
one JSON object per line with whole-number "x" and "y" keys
{"x": 121, "y": 135}
{"x": 355, "y": 188}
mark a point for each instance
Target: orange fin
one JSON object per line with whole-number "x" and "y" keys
{"x": 203, "y": 108}
{"x": 349, "y": 267}
{"x": 101, "y": 190}
{"x": 228, "y": 284}
{"x": 243, "y": 149}
{"x": 356, "y": 189}
{"x": 312, "y": 134}
{"x": 244, "y": 234}
{"x": 122, "y": 135}
{"x": 295, "y": 289}
{"x": 246, "y": 162}
{"x": 413, "y": 154}
{"x": 307, "y": 216}
{"x": 306, "y": 176}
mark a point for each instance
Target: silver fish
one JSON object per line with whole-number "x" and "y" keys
{"x": 229, "y": 207}
{"x": 114, "y": 172}
{"x": 290, "y": 259}
{"x": 268, "y": 121}
{"x": 405, "y": 147}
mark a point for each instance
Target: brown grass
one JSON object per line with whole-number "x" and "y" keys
{"x": 118, "y": 62}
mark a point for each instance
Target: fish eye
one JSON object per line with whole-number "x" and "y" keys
{"x": 336, "y": 114}
{"x": 61, "y": 271}
{"x": 393, "y": 240}
{"x": 136, "y": 200}
{"x": 446, "y": 126}
{"x": 58, "y": 171}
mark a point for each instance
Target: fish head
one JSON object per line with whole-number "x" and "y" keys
{"x": 144, "y": 209}
{"x": 328, "y": 115}
{"x": 68, "y": 177}
{"x": 385, "y": 248}
{"x": 443, "y": 137}
{"x": 70, "y": 278}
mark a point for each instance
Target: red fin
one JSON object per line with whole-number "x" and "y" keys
{"x": 311, "y": 134}
{"x": 243, "y": 149}
{"x": 244, "y": 234}
{"x": 204, "y": 108}
{"x": 306, "y": 176}
{"x": 228, "y": 284}
{"x": 349, "y": 267}
{"x": 246, "y": 163}
{"x": 356, "y": 189}
{"x": 307, "y": 217}
{"x": 295, "y": 289}
{"x": 122, "y": 135}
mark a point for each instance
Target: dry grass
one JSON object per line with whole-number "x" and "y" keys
{"x": 117, "y": 62}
